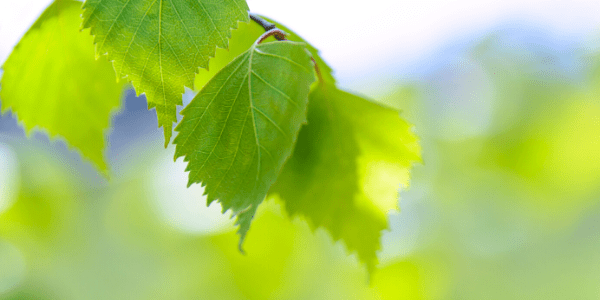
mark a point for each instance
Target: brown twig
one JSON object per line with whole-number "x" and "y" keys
{"x": 262, "y": 22}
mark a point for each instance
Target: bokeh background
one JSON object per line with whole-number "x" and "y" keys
{"x": 505, "y": 96}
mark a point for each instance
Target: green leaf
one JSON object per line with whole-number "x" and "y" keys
{"x": 348, "y": 164}
{"x": 241, "y": 39}
{"x": 159, "y": 45}
{"x": 52, "y": 81}
{"x": 238, "y": 131}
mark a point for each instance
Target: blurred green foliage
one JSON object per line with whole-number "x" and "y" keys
{"x": 510, "y": 189}
{"x": 109, "y": 241}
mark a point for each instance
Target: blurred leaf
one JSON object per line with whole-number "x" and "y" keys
{"x": 398, "y": 281}
{"x": 160, "y": 45}
{"x": 239, "y": 130}
{"x": 348, "y": 164}
{"x": 52, "y": 81}
{"x": 262, "y": 271}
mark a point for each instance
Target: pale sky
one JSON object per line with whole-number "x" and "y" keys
{"x": 362, "y": 39}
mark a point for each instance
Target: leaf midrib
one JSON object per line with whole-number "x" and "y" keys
{"x": 258, "y": 145}
{"x": 162, "y": 80}
{"x": 160, "y": 15}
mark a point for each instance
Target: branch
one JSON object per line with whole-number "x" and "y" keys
{"x": 262, "y": 22}
{"x": 272, "y": 30}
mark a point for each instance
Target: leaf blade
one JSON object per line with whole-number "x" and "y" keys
{"x": 331, "y": 178}
{"x": 238, "y": 131}
{"x": 160, "y": 44}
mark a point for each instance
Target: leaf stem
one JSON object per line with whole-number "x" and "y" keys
{"x": 278, "y": 33}
{"x": 272, "y": 30}
{"x": 317, "y": 69}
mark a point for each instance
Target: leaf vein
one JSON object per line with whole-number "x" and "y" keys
{"x": 212, "y": 22}
{"x": 179, "y": 62}
{"x": 253, "y": 117}
{"x": 283, "y": 58}
{"x": 162, "y": 79}
{"x": 211, "y": 101}
{"x": 212, "y": 151}
{"x": 276, "y": 89}
{"x": 272, "y": 122}
{"x": 133, "y": 38}
{"x": 115, "y": 21}
{"x": 237, "y": 150}
{"x": 186, "y": 29}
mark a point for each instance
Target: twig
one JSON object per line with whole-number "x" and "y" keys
{"x": 272, "y": 30}
{"x": 262, "y": 22}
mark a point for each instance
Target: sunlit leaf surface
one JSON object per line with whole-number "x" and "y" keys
{"x": 350, "y": 160}
{"x": 159, "y": 45}
{"x": 52, "y": 81}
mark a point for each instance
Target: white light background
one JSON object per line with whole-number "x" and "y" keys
{"x": 364, "y": 39}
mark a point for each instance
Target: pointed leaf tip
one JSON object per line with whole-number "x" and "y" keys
{"x": 159, "y": 45}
